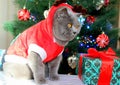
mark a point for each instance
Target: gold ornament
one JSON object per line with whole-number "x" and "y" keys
{"x": 99, "y": 4}
{"x": 72, "y": 61}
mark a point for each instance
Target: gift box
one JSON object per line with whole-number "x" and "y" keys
{"x": 99, "y": 67}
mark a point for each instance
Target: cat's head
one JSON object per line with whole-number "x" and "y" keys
{"x": 65, "y": 25}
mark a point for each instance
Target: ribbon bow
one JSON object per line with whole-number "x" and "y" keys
{"x": 109, "y": 54}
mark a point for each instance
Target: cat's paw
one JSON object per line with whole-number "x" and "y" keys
{"x": 41, "y": 81}
{"x": 55, "y": 77}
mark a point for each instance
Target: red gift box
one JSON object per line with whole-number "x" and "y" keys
{"x": 107, "y": 58}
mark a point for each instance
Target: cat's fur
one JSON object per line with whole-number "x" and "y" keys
{"x": 63, "y": 33}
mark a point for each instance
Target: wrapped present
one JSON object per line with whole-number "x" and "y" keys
{"x": 99, "y": 67}
{"x": 2, "y": 53}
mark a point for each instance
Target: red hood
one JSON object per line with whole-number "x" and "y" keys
{"x": 50, "y": 17}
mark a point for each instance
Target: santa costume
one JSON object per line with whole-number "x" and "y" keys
{"x": 38, "y": 38}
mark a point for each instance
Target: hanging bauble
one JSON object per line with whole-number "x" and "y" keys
{"x": 101, "y": 3}
{"x": 46, "y": 13}
{"x": 102, "y": 40}
{"x": 23, "y": 14}
{"x": 72, "y": 61}
{"x": 98, "y": 7}
{"x": 106, "y": 2}
{"x": 90, "y": 19}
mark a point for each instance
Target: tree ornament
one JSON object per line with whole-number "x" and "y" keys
{"x": 46, "y": 13}
{"x": 102, "y": 40}
{"x": 72, "y": 61}
{"x": 23, "y": 14}
{"x": 106, "y": 2}
{"x": 101, "y": 3}
{"x": 90, "y": 19}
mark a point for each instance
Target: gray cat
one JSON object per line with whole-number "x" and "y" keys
{"x": 41, "y": 45}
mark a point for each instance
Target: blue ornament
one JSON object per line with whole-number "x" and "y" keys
{"x": 109, "y": 25}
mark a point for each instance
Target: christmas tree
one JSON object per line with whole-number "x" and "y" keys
{"x": 101, "y": 18}
{"x": 99, "y": 30}
{"x": 99, "y": 24}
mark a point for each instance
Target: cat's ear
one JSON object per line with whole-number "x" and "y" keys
{"x": 70, "y": 13}
{"x": 61, "y": 14}
{"x": 63, "y": 11}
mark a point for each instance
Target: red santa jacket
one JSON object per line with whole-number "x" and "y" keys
{"x": 38, "y": 38}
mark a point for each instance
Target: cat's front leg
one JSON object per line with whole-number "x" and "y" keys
{"x": 37, "y": 67}
{"x": 53, "y": 68}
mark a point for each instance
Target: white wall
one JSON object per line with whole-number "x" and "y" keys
{"x": 118, "y": 43}
{"x": 7, "y": 12}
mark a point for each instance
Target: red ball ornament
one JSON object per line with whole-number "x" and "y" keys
{"x": 106, "y": 2}
{"x": 90, "y": 19}
{"x": 102, "y": 40}
{"x": 23, "y": 14}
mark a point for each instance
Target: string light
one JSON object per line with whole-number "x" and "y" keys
{"x": 81, "y": 19}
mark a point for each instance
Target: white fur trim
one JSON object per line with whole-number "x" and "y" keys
{"x": 15, "y": 59}
{"x": 37, "y": 49}
{"x": 61, "y": 52}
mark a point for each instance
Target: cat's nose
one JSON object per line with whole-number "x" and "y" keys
{"x": 74, "y": 32}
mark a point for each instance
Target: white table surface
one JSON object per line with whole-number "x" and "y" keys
{"x": 64, "y": 80}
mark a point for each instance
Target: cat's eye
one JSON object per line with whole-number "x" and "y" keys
{"x": 69, "y": 25}
{"x": 77, "y": 26}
